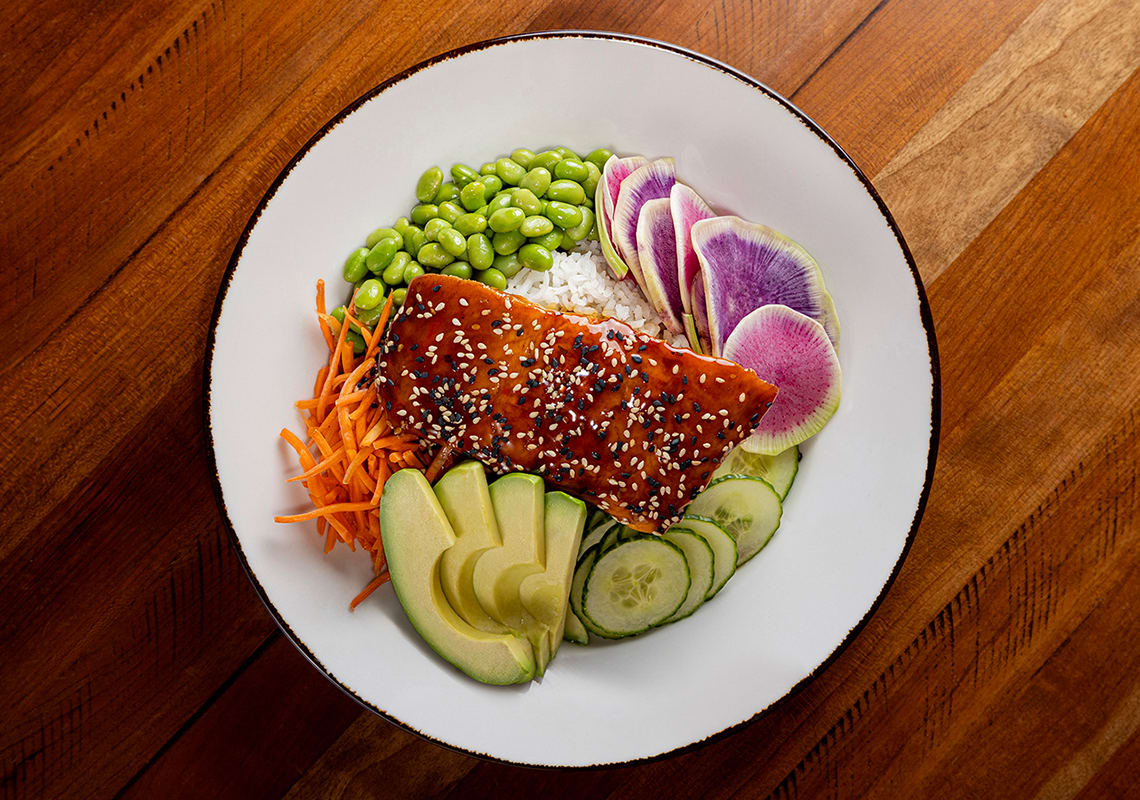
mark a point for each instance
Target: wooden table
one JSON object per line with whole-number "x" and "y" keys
{"x": 135, "y": 658}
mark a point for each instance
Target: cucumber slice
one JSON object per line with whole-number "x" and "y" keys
{"x": 635, "y": 586}
{"x": 574, "y": 631}
{"x": 578, "y": 586}
{"x": 699, "y": 557}
{"x": 723, "y": 548}
{"x": 610, "y": 539}
{"x": 779, "y": 470}
{"x": 594, "y": 536}
{"x": 748, "y": 508}
{"x": 596, "y": 518}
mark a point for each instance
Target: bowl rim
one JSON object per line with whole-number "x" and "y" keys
{"x": 924, "y": 314}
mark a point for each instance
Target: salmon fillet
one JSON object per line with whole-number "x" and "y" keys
{"x": 616, "y": 417}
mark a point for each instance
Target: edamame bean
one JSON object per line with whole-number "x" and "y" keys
{"x": 571, "y": 169}
{"x": 471, "y": 196}
{"x": 598, "y": 157}
{"x": 400, "y": 260}
{"x": 481, "y": 210}
{"x": 580, "y": 231}
{"x": 508, "y": 265}
{"x": 563, "y": 215}
{"x": 382, "y": 233}
{"x": 536, "y": 257}
{"x": 412, "y": 271}
{"x": 506, "y": 219}
{"x": 536, "y": 225}
{"x": 369, "y": 316}
{"x": 451, "y": 212}
{"x": 566, "y": 152}
{"x": 527, "y": 201}
{"x": 381, "y": 255}
{"x": 593, "y": 178}
{"x": 537, "y": 180}
{"x": 522, "y": 157}
{"x": 507, "y": 242}
{"x": 587, "y": 203}
{"x": 453, "y": 242}
{"x": 415, "y": 240}
{"x": 492, "y": 184}
{"x": 458, "y": 269}
{"x": 402, "y": 226}
{"x": 493, "y": 278}
{"x": 338, "y": 314}
{"x": 357, "y": 342}
{"x": 393, "y": 274}
{"x": 479, "y": 251}
{"x": 487, "y": 169}
{"x": 433, "y": 255}
{"x": 463, "y": 174}
{"x": 432, "y": 229}
{"x": 470, "y": 223}
{"x": 546, "y": 159}
{"x": 550, "y": 241}
{"x": 429, "y": 184}
{"x": 398, "y": 296}
{"x": 424, "y": 212}
{"x": 449, "y": 191}
{"x": 509, "y": 172}
{"x": 566, "y": 191}
{"x": 501, "y": 200}
{"x": 355, "y": 265}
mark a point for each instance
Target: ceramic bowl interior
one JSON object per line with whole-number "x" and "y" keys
{"x": 847, "y": 521}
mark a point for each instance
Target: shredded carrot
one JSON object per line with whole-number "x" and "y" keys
{"x": 353, "y": 445}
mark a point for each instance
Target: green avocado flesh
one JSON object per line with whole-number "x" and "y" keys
{"x": 517, "y": 506}
{"x": 546, "y": 595}
{"x": 417, "y": 535}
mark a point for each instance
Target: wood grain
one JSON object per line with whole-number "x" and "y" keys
{"x": 134, "y": 657}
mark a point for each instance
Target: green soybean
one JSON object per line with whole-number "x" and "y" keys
{"x": 566, "y": 152}
{"x": 536, "y": 225}
{"x": 432, "y": 229}
{"x": 398, "y": 296}
{"x": 536, "y": 257}
{"x": 546, "y": 159}
{"x": 492, "y": 277}
{"x": 487, "y": 168}
{"x": 598, "y": 157}
{"x": 453, "y": 242}
{"x": 433, "y": 255}
{"x": 492, "y": 185}
{"x": 368, "y": 316}
{"x": 357, "y": 341}
{"x": 449, "y": 191}
{"x": 563, "y": 215}
{"x": 412, "y": 271}
{"x": 380, "y": 256}
{"x": 480, "y": 253}
{"x": 501, "y": 200}
{"x": 522, "y": 157}
{"x": 424, "y": 212}
{"x": 508, "y": 265}
{"x": 593, "y": 178}
{"x": 470, "y": 223}
{"x": 550, "y": 241}
{"x": 355, "y": 265}
{"x": 536, "y": 180}
{"x": 580, "y": 231}
{"x": 506, "y": 219}
{"x": 382, "y": 233}
{"x": 458, "y": 269}
{"x": 566, "y": 191}
{"x": 393, "y": 274}
{"x": 509, "y": 171}
{"x": 401, "y": 260}
{"x": 571, "y": 169}
{"x": 463, "y": 174}
{"x": 507, "y": 242}
{"x": 451, "y": 212}
{"x": 415, "y": 240}
{"x": 526, "y": 200}
{"x": 402, "y": 226}
{"x": 471, "y": 195}
{"x": 429, "y": 184}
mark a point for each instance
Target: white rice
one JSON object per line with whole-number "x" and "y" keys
{"x": 581, "y": 282}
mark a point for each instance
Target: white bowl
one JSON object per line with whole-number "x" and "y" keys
{"x": 847, "y": 522}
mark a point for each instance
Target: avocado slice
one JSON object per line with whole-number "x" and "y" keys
{"x": 518, "y": 504}
{"x": 545, "y": 595}
{"x": 416, "y": 535}
{"x": 463, "y": 494}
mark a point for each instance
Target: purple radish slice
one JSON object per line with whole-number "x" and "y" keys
{"x": 614, "y": 172}
{"x": 700, "y": 334}
{"x": 617, "y": 264}
{"x": 657, "y": 252}
{"x": 746, "y": 265}
{"x": 650, "y": 182}
{"x": 794, "y": 352}
{"x": 687, "y": 207}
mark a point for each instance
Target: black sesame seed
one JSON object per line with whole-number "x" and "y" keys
{"x": 436, "y": 288}
{"x": 643, "y": 348}
{"x": 414, "y": 347}
{"x": 720, "y": 434}
{"x": 644, "y": 378}
{"x": 496, "y": 323}
{"x": 609, "y": 334}
{"x": 488, "y": 360}
{"x": 620, "y": 336}
{"x": 685, "y": 380}
{"x": 636, "y": 359}
{"x": 522, "y": 401}
{"x": 493, "y": 371}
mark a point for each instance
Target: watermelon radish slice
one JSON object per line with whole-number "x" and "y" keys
{"x": 617, "y": 264}
{"x": 687, "y": 207}
{"x": 649, "y": 182}
{"x": 792, "y": 351}
{"x": 699, "y": 337}
{"x": 615, "y": 171}
{"x": 746, "y": 265}
{"x": 657, "y": 252}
